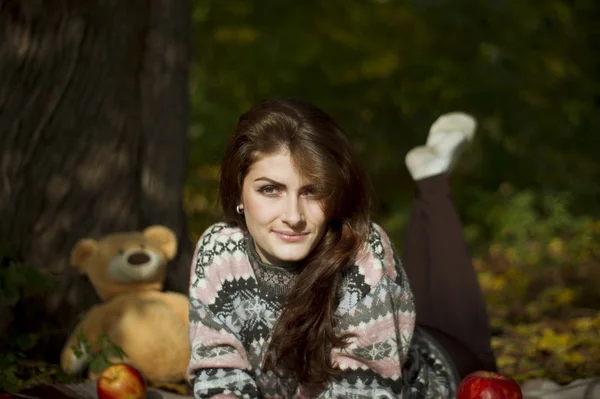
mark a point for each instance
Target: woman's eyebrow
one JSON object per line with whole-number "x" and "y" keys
{"x": 264, "y": 178}
{"x": 276, "y": 183}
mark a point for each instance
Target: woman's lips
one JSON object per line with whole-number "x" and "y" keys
{"x": 291, "y": 237}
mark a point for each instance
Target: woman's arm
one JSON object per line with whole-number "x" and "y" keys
{"x": 382, "y": 359}
{"x": 219, "y": 365}
{"x": 387, "y": 358}
{"x": 371, "y": 363}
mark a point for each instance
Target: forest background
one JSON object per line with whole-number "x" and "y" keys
{"x": 528, "y": 186}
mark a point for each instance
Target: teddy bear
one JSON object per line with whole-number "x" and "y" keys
{"x": 127, "y": 270}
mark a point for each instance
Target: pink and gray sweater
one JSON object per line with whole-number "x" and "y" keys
{"x": 236, "y": 299}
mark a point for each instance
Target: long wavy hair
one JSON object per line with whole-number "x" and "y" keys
{"x": 304, "y": 334}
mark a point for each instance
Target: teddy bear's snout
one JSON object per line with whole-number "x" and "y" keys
{"x": 138, "y": 258}
{"x": 134, "y": 265}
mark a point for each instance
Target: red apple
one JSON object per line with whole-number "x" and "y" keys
{"x": 121, "y": 381}
{"x": 488, "y": 385}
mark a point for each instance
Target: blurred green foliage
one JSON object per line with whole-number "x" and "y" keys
{"x": 540, "y": 276}
{"x": 386, "y": 69}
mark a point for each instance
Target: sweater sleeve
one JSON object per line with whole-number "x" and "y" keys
{"x": 218, "y": 366}
{"x": 382, "y": 359}
{"x": 371, "y": 363}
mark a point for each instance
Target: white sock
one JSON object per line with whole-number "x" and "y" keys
{"x": 447, "y": 138}
{"x": 450, "y": 134}
{"x": 423, "y": 162}
{"x": 451, "y": 122}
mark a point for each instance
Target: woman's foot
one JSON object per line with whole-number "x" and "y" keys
{"x": 451, "y": 122}
{"x": 423, "y": 162}
{"x": 447, "y": 138}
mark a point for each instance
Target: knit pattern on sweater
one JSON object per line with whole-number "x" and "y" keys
{"x": 233, "y": 312}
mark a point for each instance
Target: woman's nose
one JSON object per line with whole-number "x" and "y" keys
{"x": 292, "y": 213}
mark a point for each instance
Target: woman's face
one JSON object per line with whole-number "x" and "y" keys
{"x": 283, "y": 215}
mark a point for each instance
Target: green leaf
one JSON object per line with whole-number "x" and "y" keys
{"x": 98, "y": 364}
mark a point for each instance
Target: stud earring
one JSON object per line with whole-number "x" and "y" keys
{"x": 239, "y": 209}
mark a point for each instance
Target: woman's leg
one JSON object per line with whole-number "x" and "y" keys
{"x": 448, "y": 297}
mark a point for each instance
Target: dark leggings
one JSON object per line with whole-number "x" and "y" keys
{"x": 449, "y": 302}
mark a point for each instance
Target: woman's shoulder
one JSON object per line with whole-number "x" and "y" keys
{"x": 222, "y": 232}
{"x": 220, "y": 266}
{"x": 378, "y": 257}
{"x": 377, "y": 260}
{"x": 223, "y": 245}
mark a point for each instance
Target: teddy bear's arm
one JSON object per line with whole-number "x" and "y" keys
{"x": 74, "y": 356}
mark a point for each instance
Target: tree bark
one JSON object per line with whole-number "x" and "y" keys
{"x": 93, "y": 120}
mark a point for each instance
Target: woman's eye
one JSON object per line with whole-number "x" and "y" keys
{"x": 310, "y": 192}
{"x": 268, "y": 190}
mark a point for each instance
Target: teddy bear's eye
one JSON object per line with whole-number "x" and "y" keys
{"x": 121, "y": 252}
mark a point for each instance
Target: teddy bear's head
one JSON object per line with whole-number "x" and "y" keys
{"x": 125, "y": 262}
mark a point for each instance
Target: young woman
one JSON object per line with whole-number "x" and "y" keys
{"x": 299, "y": 294}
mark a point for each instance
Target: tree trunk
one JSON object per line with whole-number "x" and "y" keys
{"x": 93, "y": 120}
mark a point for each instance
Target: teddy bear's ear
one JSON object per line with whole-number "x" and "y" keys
{"x": 165, "y": 237}
{"x": 82, "y": 251}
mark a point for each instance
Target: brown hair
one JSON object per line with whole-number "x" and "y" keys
{"x": 304, "y": 333}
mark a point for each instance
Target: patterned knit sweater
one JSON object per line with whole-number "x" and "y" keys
{"x": 235, "y": 301}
